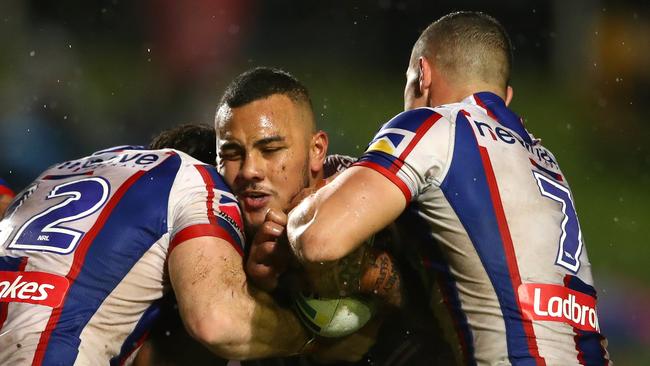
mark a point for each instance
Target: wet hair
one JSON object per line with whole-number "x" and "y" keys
{"x": 196, "y": 140}
{"x": 262, "y": 82}
{"x": 468, "y": 45}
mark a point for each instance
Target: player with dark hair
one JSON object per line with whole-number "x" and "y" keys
{"x": 196, "y": 140}
{"x": 269, "y": 147}
{"x": 6, "y": 195}
{"x": 514, "y": 273}
{"x": 269, "y": 151}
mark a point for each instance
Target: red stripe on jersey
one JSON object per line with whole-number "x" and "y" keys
{"x": 209, "y": 186}
{"x": 4, "y": 307}
{"x": 199, "y": 230}
{"x": 419, "y": 133}
{"x": 388, "y": 174}
{"x": 509, "y": 251}
{"x": 78, "y": 260}
{"x": 487, "y": 110}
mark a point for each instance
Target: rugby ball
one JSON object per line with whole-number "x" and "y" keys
{"x": 333, "y": 317}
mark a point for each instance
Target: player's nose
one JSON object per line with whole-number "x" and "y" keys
{"x": 252, "y": 168}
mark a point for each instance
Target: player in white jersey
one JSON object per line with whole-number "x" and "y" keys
{"x": 481, "y": 191}
{"x": 89, "y": 248}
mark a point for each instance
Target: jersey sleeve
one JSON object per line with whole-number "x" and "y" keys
{"x": 202, "y": 205}
{"x": 411, "y": 150}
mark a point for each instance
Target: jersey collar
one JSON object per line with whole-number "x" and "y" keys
{"x": 496, "y": 108}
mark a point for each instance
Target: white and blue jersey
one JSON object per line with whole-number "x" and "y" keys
{"x": 498, "y": 232}
{"x": 83, "y": 252}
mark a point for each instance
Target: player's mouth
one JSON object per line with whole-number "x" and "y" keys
{"x": 254, "y": 200}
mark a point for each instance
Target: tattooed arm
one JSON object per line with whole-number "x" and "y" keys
{"x": 367, "y": 270}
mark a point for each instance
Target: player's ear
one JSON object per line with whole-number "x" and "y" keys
{"x": 509, "y": 93}
{"x": 318, "y": 151}
{"x": 424, "y": 77}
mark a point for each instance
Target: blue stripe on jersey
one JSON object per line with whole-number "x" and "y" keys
{"x": 138, "y": 220}
{"x": 504, "y": 115}
{"x": 466, "y": 189}
{"x": 588, "y": 344}
{"x": 419, "y": 231}
{"x": 381, "y": 158}
{"x": 409, "y": 120}
{"x": 10, "y": 263}
{"x": 139, "y": 332}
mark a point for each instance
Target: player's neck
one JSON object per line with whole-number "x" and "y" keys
{"x": 445, "y": 93}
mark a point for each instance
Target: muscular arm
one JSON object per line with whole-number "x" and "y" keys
{"x": 337, "y": 219}
{"x": 222, "y": 311}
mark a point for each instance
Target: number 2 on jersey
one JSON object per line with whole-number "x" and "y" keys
{"x": 568, "y": 255}
{"x": 43, "y": 231}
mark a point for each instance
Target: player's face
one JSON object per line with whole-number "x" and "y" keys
{"x": 264, "y": 154}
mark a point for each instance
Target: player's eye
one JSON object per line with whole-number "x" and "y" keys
{"x": 271, "y": 149}
{"x": 230, "y": 154}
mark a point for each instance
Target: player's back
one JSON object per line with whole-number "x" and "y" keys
{"x": 83, "y": 256}
{"x": 499, "y": 232}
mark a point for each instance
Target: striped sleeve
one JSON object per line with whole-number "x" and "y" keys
{"x": 410, "y": 150}
{"x": 204, "y": 206}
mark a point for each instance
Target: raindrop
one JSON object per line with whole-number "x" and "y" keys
{"x": 615, "y": 219}
{"x": 65, "y": 117}
{"x": 148, "y": 49}
{"x": 32, "y": 53}
{"x": 69, "y": 46}
{"x": 568, "y": 126}
{"x": 168, "y": 333}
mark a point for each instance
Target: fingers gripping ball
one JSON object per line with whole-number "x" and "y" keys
{"x": 333, "y": 317}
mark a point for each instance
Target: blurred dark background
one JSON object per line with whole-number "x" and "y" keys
{"x": 79, "y": 76}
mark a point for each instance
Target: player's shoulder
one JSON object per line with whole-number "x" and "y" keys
{"x": 413, "y": 119}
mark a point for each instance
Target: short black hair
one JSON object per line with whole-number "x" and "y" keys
{"x": 196, "y": 140}
{"x": 262, "y": 82}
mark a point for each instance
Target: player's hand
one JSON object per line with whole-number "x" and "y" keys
{"x": 269, "y": 255}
